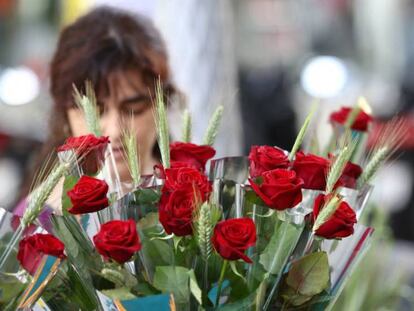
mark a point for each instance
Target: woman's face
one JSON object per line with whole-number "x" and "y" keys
{"x": 127, "y": 106}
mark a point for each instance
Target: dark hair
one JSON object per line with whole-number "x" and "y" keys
{"x": 101, "y": 42}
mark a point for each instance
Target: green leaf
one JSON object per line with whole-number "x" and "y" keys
{"x": 81, "y": 292}
{"x": 194, "y": 288}
{"x": 175, "y": 280}
{"x": 68, "y": 184}
{"x": 280, "y": 246}
{"x": 10, "y": 287}
{"x": 144, "y": 289}
{"x": 177, "y": 240}
{"x": 146, "y": 196}
{"x": 79, "y": 248}
{"x": 121, "y": 293}
{"x": 253, "y": 198}
{"x": 292, "y": 297}
{"x": 309, "y": 275}
{"x": 234, "y": 269}
{"x": 149, "y": 221}
{"x": 157, "y": 252}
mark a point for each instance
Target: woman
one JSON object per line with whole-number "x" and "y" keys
{"x": 123, "y": 56}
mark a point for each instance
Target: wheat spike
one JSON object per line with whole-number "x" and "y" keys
{"x": 187, "y": 124}
{"x": 40, "y": 195}
{"x": 302, "y": 131}
{"x": 327, "y": 211}
{"x": 162, "y": 125}
{"x": 204, "y": 231}
{"x": 389, "y": 140}
{"x": 130, "y": 146}
{"x": 213, "y": 126}
{"x": 338, "y": 165}
{"x": 87, "y": 103}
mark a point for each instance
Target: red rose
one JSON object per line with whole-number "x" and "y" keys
{"x": 176, "y": 210}
{"x": 361, "y": 122}
{"x": 312, "y": 169}
{"x": 90, "y": 149}
{"x": 117, "y": 240}
{"x": 233, "y": 237}
{"x": 349, "y": 176}
{"x": 280, "y": 189}
{"x": 188, "y": 154}
{"x": 34, "y": 247}
{"x": 88, "y": 195}
{"x": 266, "y": 158}
{"x": 340, "y": 224}
{"x": 175, "y": 178}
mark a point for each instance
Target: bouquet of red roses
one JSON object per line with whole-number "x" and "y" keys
{"x": 277, "y": 229}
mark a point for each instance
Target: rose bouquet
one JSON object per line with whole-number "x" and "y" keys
{"x": 275, "y": 230}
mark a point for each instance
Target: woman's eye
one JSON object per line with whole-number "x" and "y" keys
{"x": 101, "y": 108}
{"x": 137, "y": 110}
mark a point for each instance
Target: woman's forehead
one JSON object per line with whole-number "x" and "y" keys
{"x": 121, "y": 84}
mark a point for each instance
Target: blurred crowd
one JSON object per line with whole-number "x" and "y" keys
{"x": 264, "y": 60}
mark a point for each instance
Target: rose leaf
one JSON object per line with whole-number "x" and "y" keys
{"x": 253, "y": 198}
{"x": 309, "y": 275}
{"x": 175, "y": 280}
{"x": 280, "y": 247}
{"x": 68, "y": 184}
{"x": 120, "y": 293}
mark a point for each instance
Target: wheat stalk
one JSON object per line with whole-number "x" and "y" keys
{"x": 130, "y": 146}
{"x": 41, "y": 194}
{"x": 213, "y": 126}
{"x": 302, "y": 131}
{"x": 338, "y": 165}
{"x": 204, "y": 230}
{"x": 162, "y": 125}
{"x": 389, "y": 140}
{"x": 187, "y": 124}
{"x": 87, "y": 103}
{"x": 327, "y": 211}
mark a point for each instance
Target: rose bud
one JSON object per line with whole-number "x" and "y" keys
{"x": 312, "y": 169}
{"x": 176, "y": 210}
{"x": 340, "y": 224}
{"x": 34, "y": 247}
{"x": 89, "y": 149}
{"x": 88, "y": 195}
{"x": 190, "y": 155}
{"x": 117, "y": 240}
{"x": 231, "y": 238}
{"x": 279, "y": 189}
{"x": 361, "y": 122}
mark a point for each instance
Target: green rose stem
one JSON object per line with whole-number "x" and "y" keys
{"x": 302, "y": 132}
{"x": 285, "y": 305}
{"x": 220, "y": 282}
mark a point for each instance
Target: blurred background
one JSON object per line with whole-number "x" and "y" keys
{"x": 265, "y": 60}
